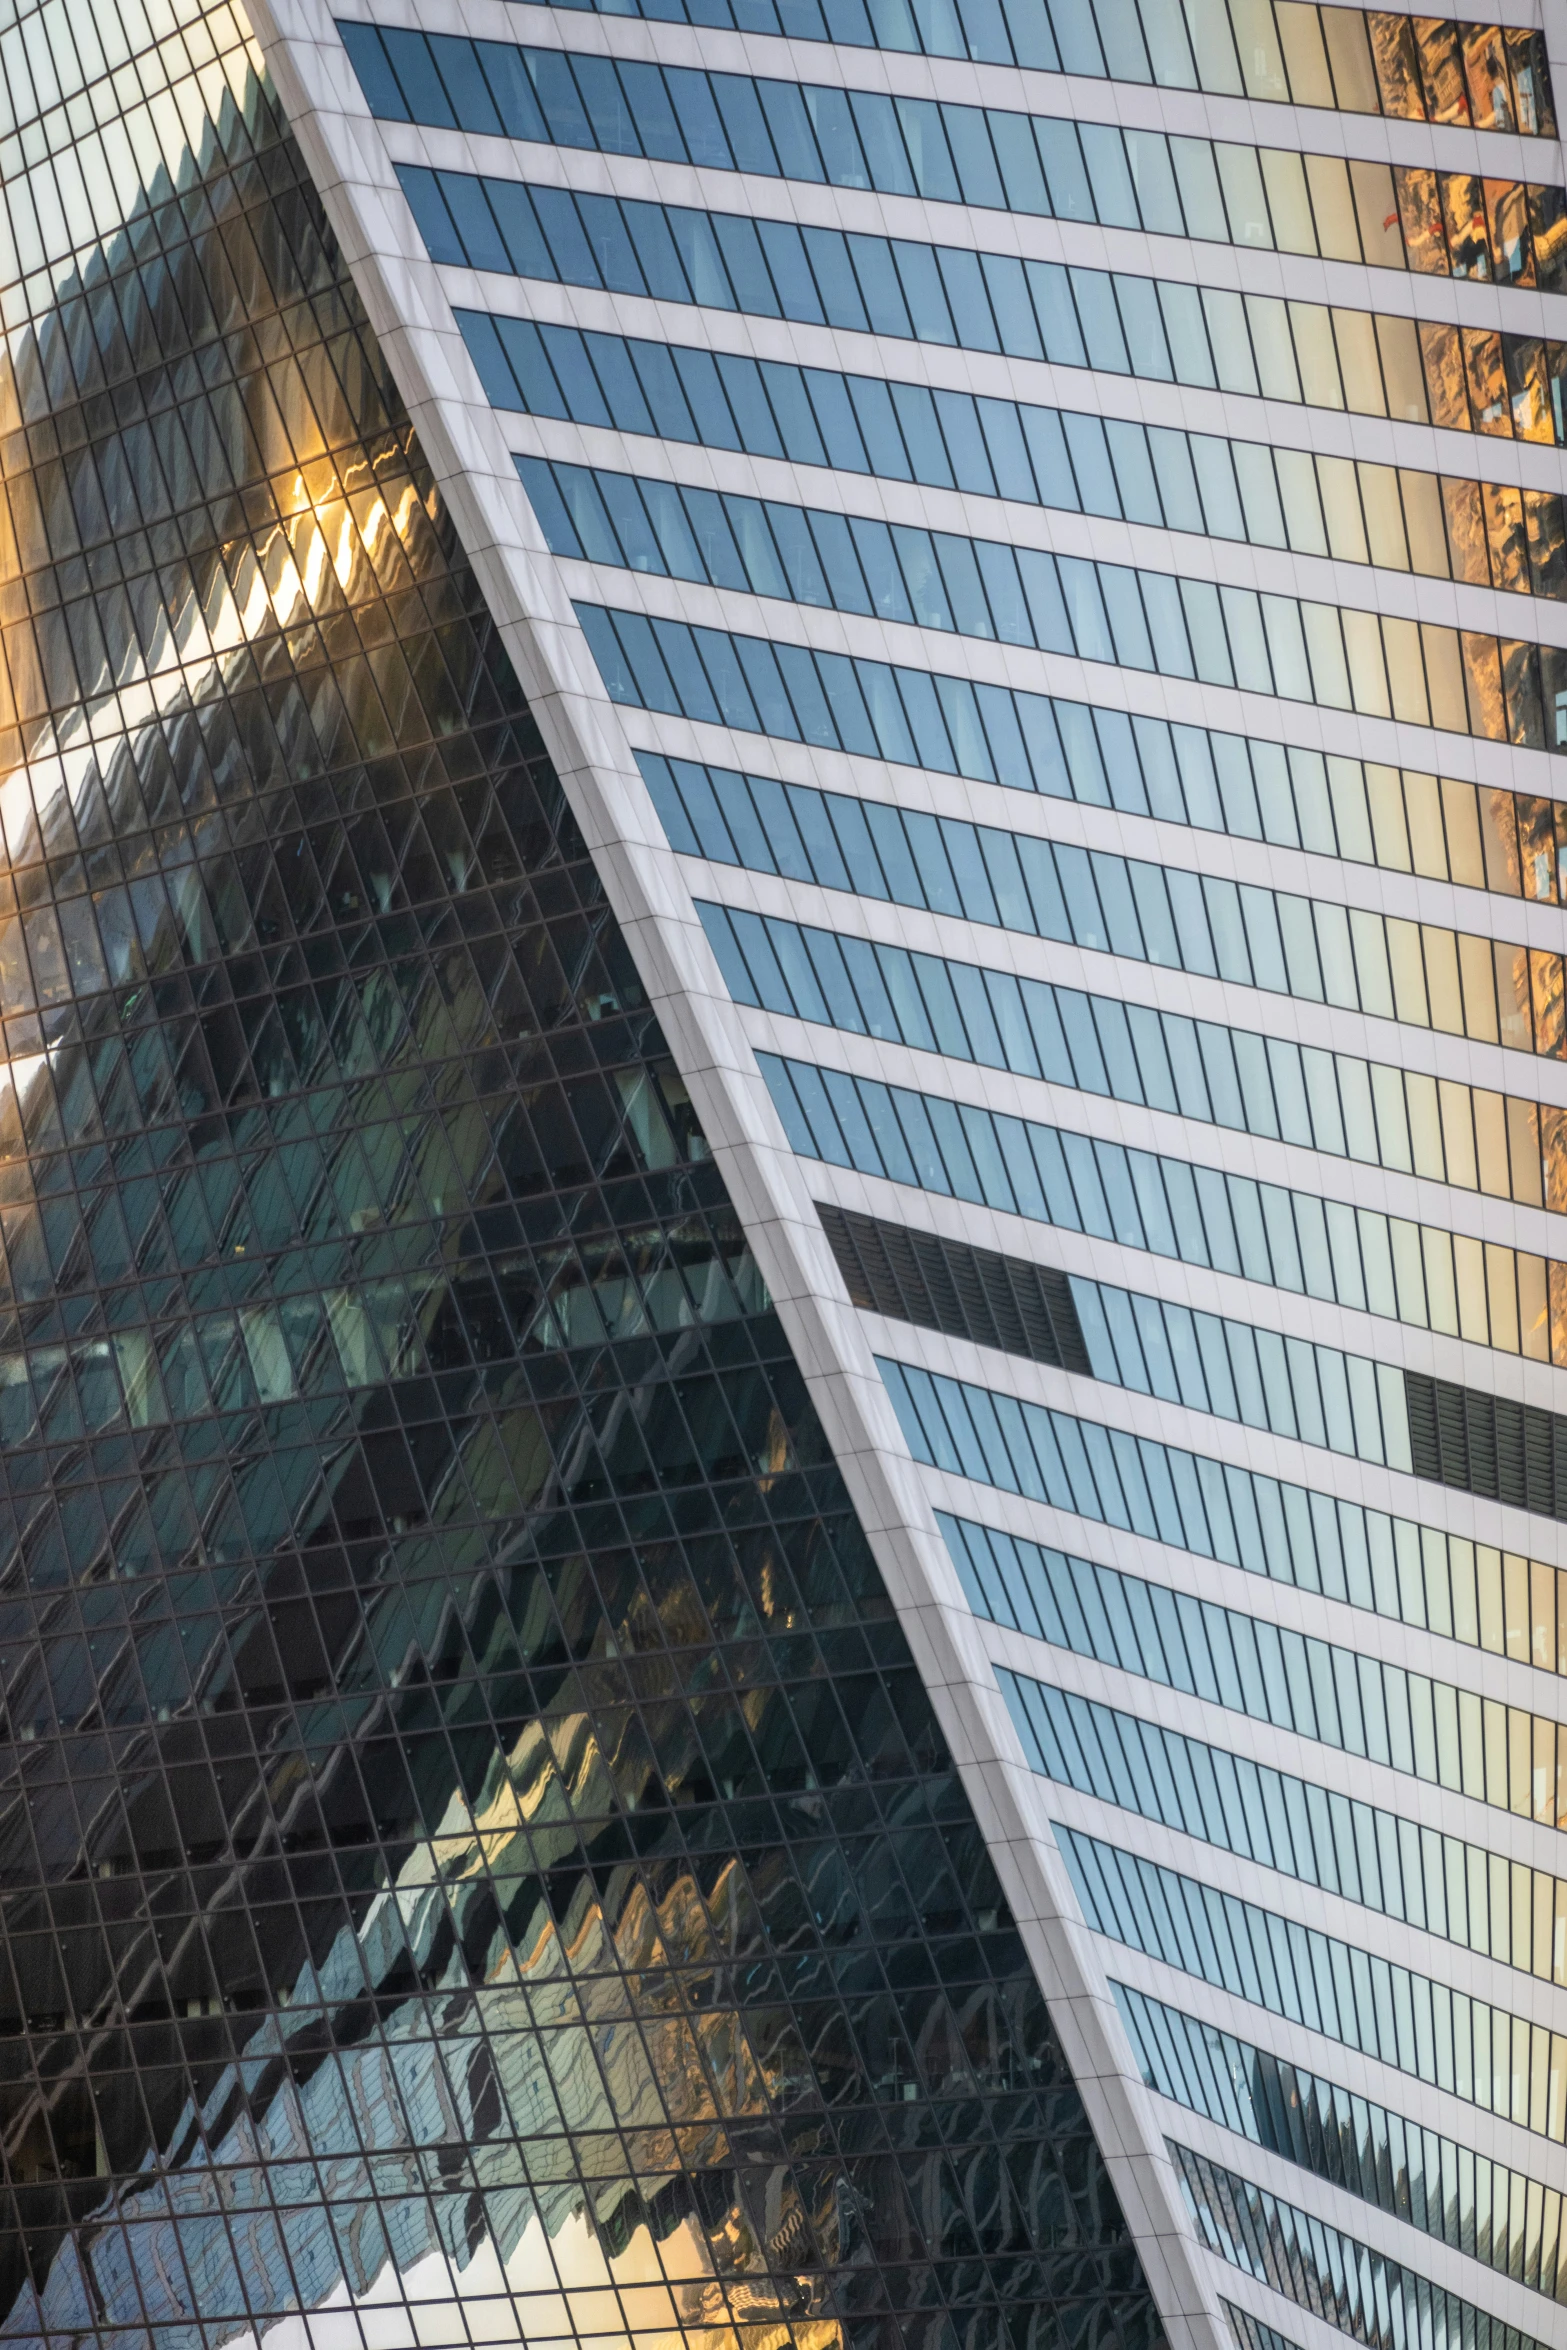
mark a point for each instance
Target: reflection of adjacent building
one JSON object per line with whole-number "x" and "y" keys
{"x": 518, "y": 2136}
{"x": 338, "y": 1264}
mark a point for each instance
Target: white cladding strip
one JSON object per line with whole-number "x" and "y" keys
{"x": 1395, "y": 2239}
{"x": 903, "y": 73}
{"x": 1242, "y": 413}
{"x": 464, "y": 443}
{"x": 1395, "y": 1192}
{"x": 1364, "y": 1928}
{"x": 1266, "y": 1306}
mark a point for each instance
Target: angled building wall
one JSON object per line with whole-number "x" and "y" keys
{"x": 477, "y": 1860}
{"x": 1034, "y": 537}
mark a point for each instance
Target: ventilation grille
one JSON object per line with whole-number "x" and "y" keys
{"x": 1487, "y": 1444}
{"x": 963, "y": 1292}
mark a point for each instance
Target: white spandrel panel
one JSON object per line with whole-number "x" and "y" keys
{"x": 595, "y": 741}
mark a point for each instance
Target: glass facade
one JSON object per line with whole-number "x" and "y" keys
{"x": 1361, "y": 1704}
{"x": 1436, "y": 222}
{"x": 1025, "y": 596}
{"x": 1438, "y": 2185}
{"x": 1270, "y": 1086}
{"x": 1397, "y": 518}
{"x": 1171, "y": 1207}
{"x": 478, "y": 1862}
{"x": 783, "y": 1411}
{"x": 1424, "y": 975}
{"x": 1362, "y": 2292}
{"x": 1421, "y": 1877}
{"x": 1493, "y": 77}
{"x": 1482, "y": 2055}
{"x": 1371, "y": 363}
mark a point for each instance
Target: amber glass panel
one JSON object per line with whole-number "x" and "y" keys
{"x": 1536, "y": 116}
{"x": 473, "y": 1840}
{"x": 1507, "y": 225}
{"x": 1553, "y": 1145}
{"x": 1499, "y": 834}
{"x": 1553, "y": 694}
{"x": 1547, "y": 543}
{"x": 1464, "y": 220}
{"x": 1441, "y": 69}
{"x": 1528, "y": 388}
{"x": 1483, "y": 685}
{"x": 1448, "y": 373}
{"x": 1548, "y": 237}
{"x": 1397, "y": 62}
{"x": 1545, "y": 981}
{"x": 1537, "y": 846}
{"x": 1521, "y": 686}
{"x": 1512, "y": 995}
{"x": 1420, "y": 216}
{"x": 1502, "y": 507}
{"x": 1485, "y": 67}
{"x": 1467, "y": 548}
{"x": 1487, "y": 376}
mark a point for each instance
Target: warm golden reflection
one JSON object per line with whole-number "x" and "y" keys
{"x": 463, "y": 1797}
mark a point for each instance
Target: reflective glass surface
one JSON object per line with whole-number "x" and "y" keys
{"x": 1467, "y": 2200}
{"x": 1459, "y": 679}
{"x": 1455, "y": 679}
{"x": 1503, "y": 2063}
{"x": 1468, "y": 379}
{"x": 477, "y": 1862}
{"x": 1296, "y": 1240}
{"x": 1422, "y": 69}
{"x": 1442, "y": 1884}
{"x": 1404, "y": 216}
{"x": 1364, "y": 1705}
{"x": 1462, "y": 1437}
{"x": 1317, "y": 950}
{"x": 1220, "y": 1076}
{"x": 1442, "y": 526}
{"x": 1369, "y": 2297}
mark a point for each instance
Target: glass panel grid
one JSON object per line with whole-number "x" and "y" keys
{"x": 1487, "y": 380}
{"x": 1373, "y": 1112}
{"x": 1503, "y": 2064}
{"x": 1401, "y": 519}
{"x": 1458, "y": 1891}
{"x": 1317, "y": 950}
{"x": 476, "y": 1859}
{"x": 1394, "y": 216}
{"x": 1443, "y": 2188}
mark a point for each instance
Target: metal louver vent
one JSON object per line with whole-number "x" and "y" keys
{"x": 973, "y": 1293}
{"x": 1488, "y": 1444}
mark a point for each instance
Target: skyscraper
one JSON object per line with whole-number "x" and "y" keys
{"x": 782, "y": 1423}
